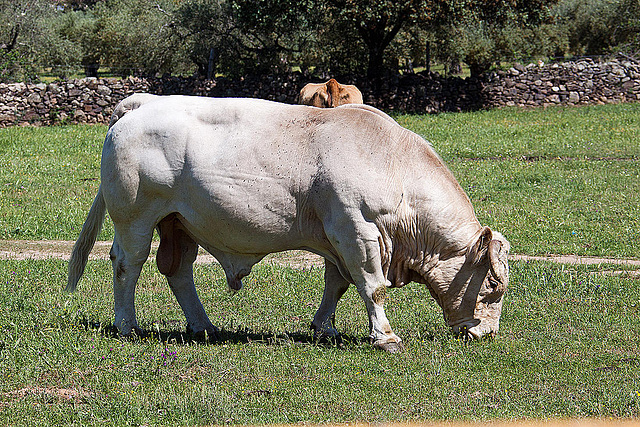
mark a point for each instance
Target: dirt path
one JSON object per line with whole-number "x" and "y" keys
{"x": 61, "y": 249}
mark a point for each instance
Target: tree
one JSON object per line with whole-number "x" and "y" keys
{"x": 275, "y": 33}
{"x": 597, "y": 27}
{"x": 628, "y": 28}
{"x": 378, "y": 23}
{"x": 132, "y": 37}
{"x": 484, "y": 32}
{"x": 76, "y": 4}
{"x": 73, "y": 27}
{"x": 28, "y": 39}
{"x": 206, "y": 26}
{"x": 472, "y": 30}
{"x": 247, "y": 36}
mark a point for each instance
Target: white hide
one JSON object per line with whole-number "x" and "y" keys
{"x": 245, "y": 178}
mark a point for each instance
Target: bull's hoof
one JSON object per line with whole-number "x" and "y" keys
{"x": 328, "y": 340}
{"x": 329, "y": 337}
{"x": 134, "y": 334}
{"x": 390, "y": 347}
{"x": 207, "y": 335}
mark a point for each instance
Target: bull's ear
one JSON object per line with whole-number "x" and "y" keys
{"x": 498, "y": 252}
{"x": 480, "y": 247}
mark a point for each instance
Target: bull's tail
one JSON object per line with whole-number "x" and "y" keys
{"x": 86, "y": 240}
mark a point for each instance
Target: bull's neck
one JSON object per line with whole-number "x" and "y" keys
{"x": 419, "y": 242}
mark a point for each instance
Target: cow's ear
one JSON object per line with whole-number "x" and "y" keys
{"x": 481, "y": 246}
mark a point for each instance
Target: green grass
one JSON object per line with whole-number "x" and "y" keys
{"x": 554, "y": 181}
{"x": 48, "y": 179}
{"x": 578, "y": 207}
{"x": 568, "y": 347}
{"x": 587, "y": 132}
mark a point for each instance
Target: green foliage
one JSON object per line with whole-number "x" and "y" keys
{"x": 67, "y": 28}
{"x": 15, "y": 67}
{"x": 476, "y": 46}
{"x": 628, "y": 26}
{"x": 377, "y": 23}
{"x": 133, "y": 37}
{"x": 595, "y": 27}
{"x": 275, "y": 33}
{"x": 205, "y": 25}
{"x": 328, "y": 37}
{"x": 28, "y": 40}
{"x": 246, "y": 36}
{"x": 77, "y": 26}
{"x": 567, "y": 347}
{"x": 76, "y": 4}
{"x": 483, "y": 34}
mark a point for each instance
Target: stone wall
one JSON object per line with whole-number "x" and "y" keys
{"x": 570, "y": 83}
{"x": 92, "y": 100}
{"x": 583, "y": 82}
{"x": 87, "y": 100}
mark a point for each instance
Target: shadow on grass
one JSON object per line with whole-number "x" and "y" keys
{"x": 223, "y": 336}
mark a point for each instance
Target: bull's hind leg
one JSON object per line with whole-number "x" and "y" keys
{"x": 176, "y": 255}
{"x": 335, "y": 285}
{"x": 128, "y": 254}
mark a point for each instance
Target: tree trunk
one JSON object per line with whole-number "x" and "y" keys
{"x": 427, "y": 59}
{"x": 377, "y": 38}
{"x": 375, "y": 68}
{"x": 13, "y": 36}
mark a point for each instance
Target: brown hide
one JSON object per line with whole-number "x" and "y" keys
{"x": 329, "y": 94}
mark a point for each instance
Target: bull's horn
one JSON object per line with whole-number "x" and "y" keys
{"x": 498, "y": 267}
{"x": 480, "y": 247}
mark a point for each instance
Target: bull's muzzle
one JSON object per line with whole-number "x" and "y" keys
{"x": 475, "y": 330}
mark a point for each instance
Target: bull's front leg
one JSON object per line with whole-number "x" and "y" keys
{"x": 381, "y": 336}
{"x": 335, "y": 285}
{"x": 358, "y": 243}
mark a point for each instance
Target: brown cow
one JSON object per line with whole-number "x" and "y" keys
{"x": 329, "y": 94}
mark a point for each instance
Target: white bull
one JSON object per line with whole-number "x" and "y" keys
{"x": 244, "y": 178}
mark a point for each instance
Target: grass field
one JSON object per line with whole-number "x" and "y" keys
{"x": 554, "y": 181}
{"x": 569, "y": 347}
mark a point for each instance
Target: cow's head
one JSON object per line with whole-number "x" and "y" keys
{"x": 330, "y": 94}
{"x": 470, "y": 286}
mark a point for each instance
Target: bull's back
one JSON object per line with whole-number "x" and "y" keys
{"x": 256, "y": 165}
{"x": 178, "y": 132}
